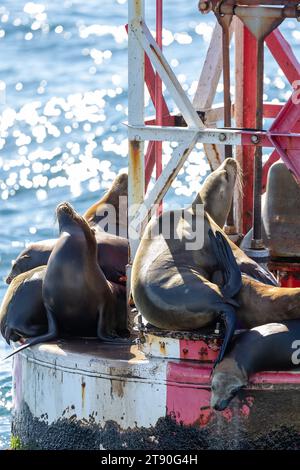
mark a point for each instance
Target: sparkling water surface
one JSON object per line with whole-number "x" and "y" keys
{"x": 63, "y": 99}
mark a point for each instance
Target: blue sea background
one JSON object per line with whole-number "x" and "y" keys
{"x": 63, "y": 99}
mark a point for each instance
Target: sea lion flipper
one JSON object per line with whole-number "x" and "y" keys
{"x": 105, "y": 328}
{"x": 229, "y": 318}
{"x": 227, "y": 261}
{"x": 52, "y": 334}
{"x": 39, "y": 339}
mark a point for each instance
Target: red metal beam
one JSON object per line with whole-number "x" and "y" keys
{"x": 272, "y": 109}
{"x": 284, "y": 122}
{"x": 284, "y": 55}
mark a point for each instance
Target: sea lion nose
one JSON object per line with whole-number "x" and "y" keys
{"x": 220, "y": 405}
{"x": 8, "y": 279}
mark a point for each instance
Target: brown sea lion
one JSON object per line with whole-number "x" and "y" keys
{"x": 34, "y": 255}
{"x": 217, "y": 190}
{"x": 112, "y": 255}
{"x": 75, "y": 291}
{"x": 108, "y": 217}
{"x": 260, "y": 303}
{"x": 22, "y": 312}
{"x": 110, "y": 212}
{"x": 272, "y": 346}
{"x": 174, "y": 288}
{"x": 216, "y": 196}
{"x": 78, "y": 299}
{"x": 215, "y": 193}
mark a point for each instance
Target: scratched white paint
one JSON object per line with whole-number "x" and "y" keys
{"x": 156, "y": 346}
{"x": 51, "y": 378}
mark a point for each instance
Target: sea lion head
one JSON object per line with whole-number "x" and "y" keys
{"x": 218, "y": 188}
{"x": 109, "y": 214}
{"x": 227, "y": 381}
{"x": 34, "y": 255}
{"x": 20, "y": 265}
{"x": 68, "y": 217}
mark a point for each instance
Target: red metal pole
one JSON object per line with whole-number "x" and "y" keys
{"x": 246, "y": 45}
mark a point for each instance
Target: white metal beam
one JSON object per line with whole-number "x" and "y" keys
{"x": 167, "y": 75}
{"x": 136, "y": 57}
{"x": 182, "y": 134}
{"x": 165, "y": 180}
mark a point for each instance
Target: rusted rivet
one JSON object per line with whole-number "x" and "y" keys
{"x": 222, "y": 137}
{"x": 254, "y": 139}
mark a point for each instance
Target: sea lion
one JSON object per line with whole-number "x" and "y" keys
{"x": 260, "y": 303}
{"x": 34, "y": 255}
{"x": 178, "y": 288}
{"x": 78, "y": 299}
{"x": 173, "y": 288}
{"x": 112, "y": 255}
{"x": 76, "y": 294}
{"x": 267, "y": 347}
{"x": 110, "y": 212}
{"x": 22, "y": 312}
{"x": 217, "y": 190}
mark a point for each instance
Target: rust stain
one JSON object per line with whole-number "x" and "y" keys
{"x": 185, "y": 351}
{"x": 162, "y": 347}
{"x": 135, "y": 156}
{"x": 83, "y": 385}
{"x": 138, "y": 7}
{"x": 203, "y": 353}
{"x": 117, "y": 388}
{"x": 217, "y": 155}
{"x": 155, "y": 52}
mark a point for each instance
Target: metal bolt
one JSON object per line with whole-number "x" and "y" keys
{"x": 185, "y": 351}
{"x": 254, "y": 139}
{"x": 222, "y": 137}
{"x": 204, "y": 7}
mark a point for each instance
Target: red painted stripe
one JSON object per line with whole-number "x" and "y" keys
{"x": 188, "y": 391}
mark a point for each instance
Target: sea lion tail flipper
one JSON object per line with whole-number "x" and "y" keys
{"x": 229, "y": 318}
{"x": 227, "y": 261}
{"x": 52, "y": 334}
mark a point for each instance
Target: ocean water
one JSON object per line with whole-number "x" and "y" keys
{"x": 63, "y": 99}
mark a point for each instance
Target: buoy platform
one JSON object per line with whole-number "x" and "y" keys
{"x": 84, "y": 394}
